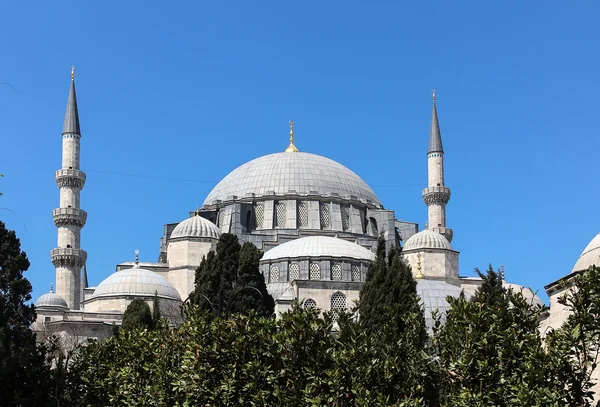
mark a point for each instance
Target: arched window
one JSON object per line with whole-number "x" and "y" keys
{"x": 324, "y": 215}
{"x": 274, "y": 274}
{"x": 336, "y": 271}
{"x": 345, "y": 210}
{"x": 302, "y": 214}
{"x": 259, "y": 212}
{"x": 363, "y": 220}
{"x": 355, "y": 273}
{"x": 338, "y": 302}
{"x": 310, "y": 303}
{"x": 315, "y": 271}
{"x": 250, "y": 221}
{"x": 294, "y": 271}
{"x": 280, "y": 214}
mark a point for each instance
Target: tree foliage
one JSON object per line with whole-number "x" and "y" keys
{"x": 156, "y": 315}
{"x": 229, "y": 280}
{"x": 23, "y": 374}
{"x": 137, "y": 316}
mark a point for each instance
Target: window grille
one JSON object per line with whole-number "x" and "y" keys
{"x": 324, "y": 215}
{"x": 338, "y": 302}
{"x": 302, "y": 214}
{"x": 310, "y": 303}
{"x": 355, "y": 273}
{"x": 259, "y": 212}
{"x": 345, "y": 217}
{"x": 221, "y": 217}
{"x": 280, "y": 214}
{"x": 274, "y": 274}
{"x": 294, "y": 271}
{"x": 336, "y": 271}
{"x": 315, "y": 271}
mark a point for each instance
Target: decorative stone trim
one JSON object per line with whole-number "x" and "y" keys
{"x": 68, "y": 177}
{"x": 68, "y": 256}
{"x": 436, "y": 195}
{"x": 69, "y": 216}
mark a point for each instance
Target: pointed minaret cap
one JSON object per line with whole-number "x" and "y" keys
{"x": 71, "y": 124}
{"x": 435, "y": 138}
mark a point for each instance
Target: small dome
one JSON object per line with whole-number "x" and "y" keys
{"x": 590, "y": 255}
{"x": 427, "y": 239}
{"x": 319, "y": 246}
{"x": 433, "y": 295}
{"x": 136, "y": 282}
{"x": 196, "y": 226}
{"x": 51, "y": 300}
{"x": 284, "y": 174}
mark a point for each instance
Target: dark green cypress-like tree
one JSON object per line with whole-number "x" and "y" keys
{"x": 23, "y": 374}
{"x": 225, "y": 277}
{"x": 389, "y": 294}
{"x": 249, "y": 278}
{"x": 137, "y": 315}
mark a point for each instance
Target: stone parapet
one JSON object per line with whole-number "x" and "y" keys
{"x": 436, "y": 195}
{"x": 68, "y": 256}
{"x": 69, "y": 216}
{"x": 67, "y": 177}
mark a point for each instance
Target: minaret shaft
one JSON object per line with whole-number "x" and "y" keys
{"x": 68, "y": 258}
{"x": 436, "y": 195}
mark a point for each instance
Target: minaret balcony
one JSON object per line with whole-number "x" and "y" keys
{"x": 436, "y": 195}
{"x": 68, "y": 257}
{"x": 69, "y": 216}
{"x": 68, "y": 177}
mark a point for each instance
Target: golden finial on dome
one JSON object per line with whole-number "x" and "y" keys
{"x": 197, "y": 213}
{"x": 72, "y": 72}
{"x": 291, "y": 148}
{"x": 419, "y": 272}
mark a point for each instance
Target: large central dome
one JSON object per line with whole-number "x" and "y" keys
{"x": 282, "y": 174}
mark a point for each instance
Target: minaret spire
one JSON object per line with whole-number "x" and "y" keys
{"x": 71, "y": 124}
{"x": 67, "y": 257}
{"x": 435, "y": 137}
{"x": 436, "y": 195}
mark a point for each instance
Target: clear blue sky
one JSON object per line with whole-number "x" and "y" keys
{"x": 191, "y": 90}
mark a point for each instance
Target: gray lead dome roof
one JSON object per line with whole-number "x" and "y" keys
{"x": 51, "y": 300}
{"x": 196, "y": 226}
{"x": 427, "y": 239}
{"x": 433, "y": 295}
{"x": 318, "y": 246}
{"x": 136, "y": 282}
{"x": 292, "y": 173}
{"x": 590, "y": 255}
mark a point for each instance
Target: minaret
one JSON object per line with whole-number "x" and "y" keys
{"x": 68, "y": 258}
{"x": 436, "y": 195}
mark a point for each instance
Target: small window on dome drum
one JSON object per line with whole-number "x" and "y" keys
{"x": 324, "y": 215}
{"x": 259, "y": 212}
{"x": 294, "y": 271}
{"x": 280, "y": 214}
{"x": 274, "y": 274}
{"x": 315, "y": 271}
{"x": 302, "y": 214}
{"x": 355, "y": 273}
{"x": 336, "y": 271}
{"x": 345, "y": 211}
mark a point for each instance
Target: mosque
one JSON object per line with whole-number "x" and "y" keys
{"x": 316, "y": 221}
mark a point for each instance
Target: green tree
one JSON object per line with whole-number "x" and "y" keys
{"x": 229, "y": 280}
{"x": 575, "y": 346}
{"x": 155, "y": 311}
{"x": 23, "y": 373}
{"x": 491, "y": 351}
{"x": 137, "y": 316}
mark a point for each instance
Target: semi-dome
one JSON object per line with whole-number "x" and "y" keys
{"x": 319, "y": 246}
{"x": 590, "y": 255}
{"x": 527, "y": 293}
{"x": 196, "y": 226}
{"x": 51, "y": 300}
{"x": 433, "y": 295}
{"x": 136, "y": 282}
{"x": 427, "y": 239}
{"x": 282, "y": 174}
